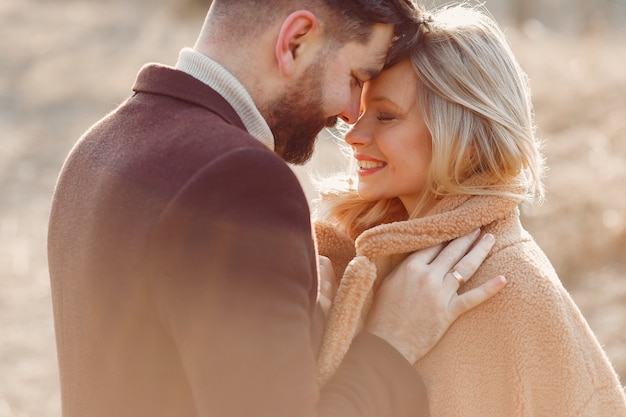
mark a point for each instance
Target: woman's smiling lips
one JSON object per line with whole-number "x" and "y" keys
{"x": 368, "y": 165}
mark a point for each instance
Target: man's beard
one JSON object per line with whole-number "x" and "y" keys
{"x": 297, "y": 116}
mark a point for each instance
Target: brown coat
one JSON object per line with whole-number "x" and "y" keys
{"x": 526, "y": 352}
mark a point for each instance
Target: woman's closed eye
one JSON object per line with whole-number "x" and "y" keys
{"x": 385, "y": 117}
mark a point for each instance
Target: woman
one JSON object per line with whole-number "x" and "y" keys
{"x": 445, "y": 144}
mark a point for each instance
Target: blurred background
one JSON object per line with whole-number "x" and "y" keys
{"x": 66, "y": 63}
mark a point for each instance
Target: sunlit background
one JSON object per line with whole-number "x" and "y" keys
{"x": 65, "y": 63}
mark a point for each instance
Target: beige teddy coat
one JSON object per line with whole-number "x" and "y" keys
{"x": 526, "y": 352}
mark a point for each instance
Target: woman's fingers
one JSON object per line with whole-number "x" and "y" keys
{"x": 454, "y": 251}
{"x": 463, "y": 270}
{"x": 461, "y": 304}
{"x": 428, "y": 255}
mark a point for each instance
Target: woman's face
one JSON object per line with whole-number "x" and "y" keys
{"x": 390, "y": 140}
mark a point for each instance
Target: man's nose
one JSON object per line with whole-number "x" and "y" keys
{"x": 351, "y": 113}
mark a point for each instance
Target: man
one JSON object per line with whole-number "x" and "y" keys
{"x": 183, "y": 268}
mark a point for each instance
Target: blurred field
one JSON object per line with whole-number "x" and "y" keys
{"x": 64, "y": 64}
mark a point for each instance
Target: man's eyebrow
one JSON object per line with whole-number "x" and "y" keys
{"x": 367, "y": 74}
{"x": 373, "y": 69}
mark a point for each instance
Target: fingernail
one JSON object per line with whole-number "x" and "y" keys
{"x": 476, "y": 232}
{"x": 489, "y": 238}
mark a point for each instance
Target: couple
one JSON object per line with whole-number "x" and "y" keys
{"x": 184, "y": 271}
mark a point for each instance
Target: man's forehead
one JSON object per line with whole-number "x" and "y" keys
{"x": 367, "y": 59}
{"x": 372, "y": 65}
{"x": 373, "y": 54}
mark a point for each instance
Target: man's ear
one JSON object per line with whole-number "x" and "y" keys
{"x": 296, "y": 31}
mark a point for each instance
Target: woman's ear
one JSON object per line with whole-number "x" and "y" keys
{"x": 296, "y": 33}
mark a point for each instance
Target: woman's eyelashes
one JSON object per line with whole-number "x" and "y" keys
{"x": 382, "y": 115}
{"x": 385, "y": 117}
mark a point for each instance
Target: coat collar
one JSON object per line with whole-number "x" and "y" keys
{"x": 167, "y": 81}
{"x": 213, "y": 74}
{"x": 452, "y": 217}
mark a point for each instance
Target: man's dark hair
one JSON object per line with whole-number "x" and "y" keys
{"x": 343, "y": 20}
{"x": 352, "y": 20}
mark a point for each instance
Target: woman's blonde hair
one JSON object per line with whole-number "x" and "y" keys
{"x": 475, "y": 101}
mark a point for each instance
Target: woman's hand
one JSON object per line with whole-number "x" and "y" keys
{"x": 328, "y": 284}
{"x": 418, "y": 301}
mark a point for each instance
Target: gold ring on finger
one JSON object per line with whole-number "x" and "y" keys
{"x": 458, "y": 277}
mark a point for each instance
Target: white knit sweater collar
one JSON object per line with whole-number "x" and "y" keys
{"x": 218, "y": 78}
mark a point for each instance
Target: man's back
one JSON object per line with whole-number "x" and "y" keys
{"x": 144, "y": 208}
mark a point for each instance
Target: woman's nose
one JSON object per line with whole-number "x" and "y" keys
{"x": 358, "y": 135}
